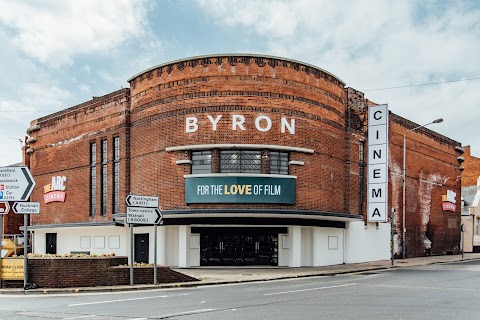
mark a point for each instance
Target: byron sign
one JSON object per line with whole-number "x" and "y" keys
{"x": 261, "y": 123}
{"x": 231, "y": 189}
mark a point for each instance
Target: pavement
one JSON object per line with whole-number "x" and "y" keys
{"x": 226, "y": 275}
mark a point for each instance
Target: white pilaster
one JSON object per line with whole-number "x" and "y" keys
{"x": 162, "y": 245}
{"x": 184, "y": 233}
{"x": 317, "y": 247}
{"x": 295, "y": 246}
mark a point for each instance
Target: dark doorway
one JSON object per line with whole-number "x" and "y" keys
{"x": 238, "y": 246}
{"x": 51, "y": 243}
{"x": 141, "y": 247}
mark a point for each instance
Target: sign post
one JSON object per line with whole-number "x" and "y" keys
{"x": 131, "y": 254}
{"x": 392, "y": 236}
{"x": 25, "y": 251}
{"x": 4, "y": 208}
{"x": 26, "y": 208}
{"x": 1, "y": 242}
{"x": 143, "y": 210}
{"x": 16, "y": 184}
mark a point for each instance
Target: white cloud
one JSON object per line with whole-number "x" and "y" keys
{"x": 84, "y": 88}
{"x": 54, "y": 32}
{"x": 375, "y": 44}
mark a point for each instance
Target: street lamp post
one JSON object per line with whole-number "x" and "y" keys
{"x": 404, "y": 230}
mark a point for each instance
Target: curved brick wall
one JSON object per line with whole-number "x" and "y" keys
{"x": 162, "y": 97}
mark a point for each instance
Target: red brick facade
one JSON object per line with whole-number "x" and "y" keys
{"x": 431, "y": 169}
{"x": 472, "y": 168}
{"x": 329, "y": 119}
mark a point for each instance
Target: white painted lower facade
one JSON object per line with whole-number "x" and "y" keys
{"x": 177, "y": 246}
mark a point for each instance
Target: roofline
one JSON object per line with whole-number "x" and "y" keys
{"x": 233, "y": 55}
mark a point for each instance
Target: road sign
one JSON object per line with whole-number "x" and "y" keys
{"x": 26, "y": 207}
{"x": 141, "y": 201}
{"x": 143, "y": 215}
{"x": 4, "y": 207}
{"x": 16, "y": 183}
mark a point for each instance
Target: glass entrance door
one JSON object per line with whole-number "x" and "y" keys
{"x": 238, "y": 246}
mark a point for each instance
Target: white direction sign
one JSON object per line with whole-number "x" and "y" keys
{"x": 16, "y": 183}
{"x": 26, "y": 207}
{"x": 143, "y": 215}
{"x": 141, "y": 201}
{"x": 4, "y": 207}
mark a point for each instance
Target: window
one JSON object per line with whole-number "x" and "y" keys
{"x": 360, "y": 151}
{"x": 104, "y": 159}
{"x": 240, "y": 161}
{"x": 361, "y": 175}
{"x": 477, "y": 230}
{"x": 116, "y": 174}
{"x": 278, "y": 162}
{"x": 201, "y": 162}
{"x": 93, "y": 179}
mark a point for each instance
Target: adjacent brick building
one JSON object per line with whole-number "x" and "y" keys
{"x": 471, "y": 201}
{"x": 255, "y": 160}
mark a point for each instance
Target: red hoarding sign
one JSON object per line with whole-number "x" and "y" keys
{"x": 58, "y": 196}
{"x": 448, "y": 206}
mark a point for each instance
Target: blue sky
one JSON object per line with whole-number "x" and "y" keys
{"x": 56, "y": 54}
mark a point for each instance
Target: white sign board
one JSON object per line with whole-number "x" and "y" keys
{"x": 141, "y": 201}
{"x": 16, "y": 183}
{"x": 143, "y": 215}
{"x": 26, "y": 207}
{"x": 4, "y": 207}
{"x": 377, "y": 208}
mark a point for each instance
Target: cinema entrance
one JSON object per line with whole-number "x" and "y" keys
{"x": 239, "y": 246}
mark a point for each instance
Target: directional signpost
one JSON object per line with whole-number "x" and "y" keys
{"x": 4, "y": 208}
{"x": 143, "y": 210}
{"x": 26, "y": 207}
{"x": 143, "y": 215}
{"x": 141, "y": 201}
{"x": 16, "y": 184}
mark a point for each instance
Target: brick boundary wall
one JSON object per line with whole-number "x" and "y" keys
{"x": 91, "y": 272}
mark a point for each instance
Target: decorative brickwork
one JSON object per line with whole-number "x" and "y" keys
{"x": 472, "y": 168}
{"x": 431, "y": 170}
{"x": 329, "y": 119}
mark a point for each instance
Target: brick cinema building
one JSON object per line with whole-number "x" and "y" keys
{"x": 256, "y": 160}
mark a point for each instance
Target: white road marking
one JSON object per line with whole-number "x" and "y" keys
{"x": 111, "y": 301}
{"x": 139, "y": 319}
{"x": 312, "y": 289}
{"x": 82, "y": 317}
{"x": 183, "y": 313}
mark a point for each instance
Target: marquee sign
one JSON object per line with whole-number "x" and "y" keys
{"x": 231, "y": 189}
{"x": 377, "y": 208}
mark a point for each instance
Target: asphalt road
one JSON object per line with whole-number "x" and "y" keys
{"x": 441, "y": 291}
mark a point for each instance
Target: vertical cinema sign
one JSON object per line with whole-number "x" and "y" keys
{"x": 377, "y": 163}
